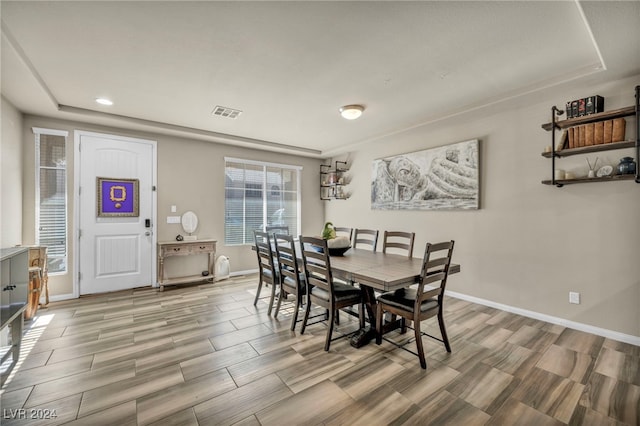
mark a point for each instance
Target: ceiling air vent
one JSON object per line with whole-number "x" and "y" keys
{"x": 226, "y": 112}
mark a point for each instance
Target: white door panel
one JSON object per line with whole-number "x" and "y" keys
{"x": 115, "y": 253}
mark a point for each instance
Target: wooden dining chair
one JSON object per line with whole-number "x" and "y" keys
{"x": 322, "y": 290}
{"x": 280, "y": 229}
{"x": 267, "y": 271}
{"x": 292, "y": 277}
{"x": 398, "y": 242}
{"x": 365, "y": 238}
{"x": 344, "y": 232}
{"x": 421, "y": 303}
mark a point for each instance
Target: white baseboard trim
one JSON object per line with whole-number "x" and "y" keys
{"x": 60, "y": 297}
{"x": 614, "y": 335}
{"x": 247, "y": 272}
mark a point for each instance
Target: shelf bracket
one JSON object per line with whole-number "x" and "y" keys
{"x": 637, "y": 134}
{"x": 554, "y": 111}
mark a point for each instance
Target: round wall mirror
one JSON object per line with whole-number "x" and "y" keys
{"x": 189, "y": 222}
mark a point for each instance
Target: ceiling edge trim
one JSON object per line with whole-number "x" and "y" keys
{"x": 191, "y": 131}
{"x": 591, "y": 36}
{"x": 27, "y": 62}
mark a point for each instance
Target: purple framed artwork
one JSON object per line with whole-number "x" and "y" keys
{"x": 117, "y": 197}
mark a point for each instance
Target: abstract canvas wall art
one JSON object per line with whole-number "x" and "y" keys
{"x": 441, "y": 178}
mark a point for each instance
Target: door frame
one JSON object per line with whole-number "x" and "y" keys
{"x": 78, "y": 134}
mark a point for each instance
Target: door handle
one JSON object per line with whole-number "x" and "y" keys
{"x": 147, "y": 233}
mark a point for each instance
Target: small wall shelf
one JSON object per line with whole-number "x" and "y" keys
{"x": 593, "y": 118}
{"x": 333, "y": 184}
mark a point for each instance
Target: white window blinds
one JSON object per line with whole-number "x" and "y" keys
{"x": 51, "y": 196}
{"x": 258, "y": 195}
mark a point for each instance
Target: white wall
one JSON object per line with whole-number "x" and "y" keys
{"x": 529, "y": 244}
{"x": 10, "y": 176}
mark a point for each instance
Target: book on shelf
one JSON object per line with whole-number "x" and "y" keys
{"x": 608, "y": 127}
{"x": 598, "y": 133}
{"x": 588, "y": 134}
{"x": 571, "y": 137}
{"x": 618, "y": 130}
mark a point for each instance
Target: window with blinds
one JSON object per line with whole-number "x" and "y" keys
{"x": 51, "y": 197}
{"x": 258, "y": 195}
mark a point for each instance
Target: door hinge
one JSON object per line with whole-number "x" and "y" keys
{"x": 153, "y": 188}
{"x": 79, "y": 190}
{"x": 79, "y": 275}
{"x": 79, "y": 233}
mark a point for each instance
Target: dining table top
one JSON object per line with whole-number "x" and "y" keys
{"x": 381, "y": 271}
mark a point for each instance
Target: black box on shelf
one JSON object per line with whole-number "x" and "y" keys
{"x": 594, "y": 104}
{"x": 574, "y": 109}
{"x": 568, "y": 110}
{"x": 582, "y": 107}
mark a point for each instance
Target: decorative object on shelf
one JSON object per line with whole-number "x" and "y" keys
{"x": 592, "y": 168}
{"x": 333, "y": 181}
{"x": 433, "y": 179}
{"x": 179, "y": 237}
{"x": 584, "y": 106}
{"x": 189, "y": 223}
{"x": 604, "y": 171}
{"x": 626, "y": 166}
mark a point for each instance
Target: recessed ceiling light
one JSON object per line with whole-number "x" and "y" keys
{"x": 351, "y": 112}
{"x": 104, "y": 101}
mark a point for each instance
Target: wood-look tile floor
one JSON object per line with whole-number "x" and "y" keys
{"x": 204, "y": 355}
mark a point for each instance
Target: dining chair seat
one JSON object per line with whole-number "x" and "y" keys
{"x": 406, "y": 299}
{"x": 341, "y": 292}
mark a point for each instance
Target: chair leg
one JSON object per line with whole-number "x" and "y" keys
{"x": 445, "y": 339}
{"x": 255, "y": 301}
{"x": 327, "y": 342}
{"x": 281, "y": 294}
{"x": 294, "y": 317}
{"x": 272, "y": 299}
{"x": 379, "y": 323}
{"x": 416, "y": 327}
{"x": 306, "y": 316}
{"x": 361, "y": 309}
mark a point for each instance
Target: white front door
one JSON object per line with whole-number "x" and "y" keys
{"x": 116, "y": 248}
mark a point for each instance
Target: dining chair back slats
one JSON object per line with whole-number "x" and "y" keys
{"x": 291, "y": 281}
{"x": 366, "y": 238}
{"x": 321, "y": 288}
{"x": 399, "y": 241}
{"x": 267, "y": 272}
{"x": 344, "y": 231}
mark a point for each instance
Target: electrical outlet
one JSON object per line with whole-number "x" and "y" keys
{"x": 574, "y": 297}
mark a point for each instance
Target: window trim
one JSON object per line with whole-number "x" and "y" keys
{"x": 38, "y": 131}
{"x": 267, "y": 164}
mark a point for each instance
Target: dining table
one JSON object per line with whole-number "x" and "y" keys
{"x": 377, "y": 271}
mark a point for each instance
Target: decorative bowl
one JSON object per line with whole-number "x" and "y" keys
{"x": 338, "y": 251}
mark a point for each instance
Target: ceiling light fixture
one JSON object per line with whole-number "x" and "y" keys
{"x": 351, "y": 112}
{"x": 104, "y": 101}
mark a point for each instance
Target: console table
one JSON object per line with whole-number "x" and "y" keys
{"x": 185, "y": 248}
{"x": 13, "y": 300}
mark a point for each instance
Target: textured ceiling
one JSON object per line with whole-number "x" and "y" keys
{"x": 289, "y": 66}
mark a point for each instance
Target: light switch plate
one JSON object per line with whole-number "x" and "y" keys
{"x": 174, "y": 209}
{"x": 173, "y": 219}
